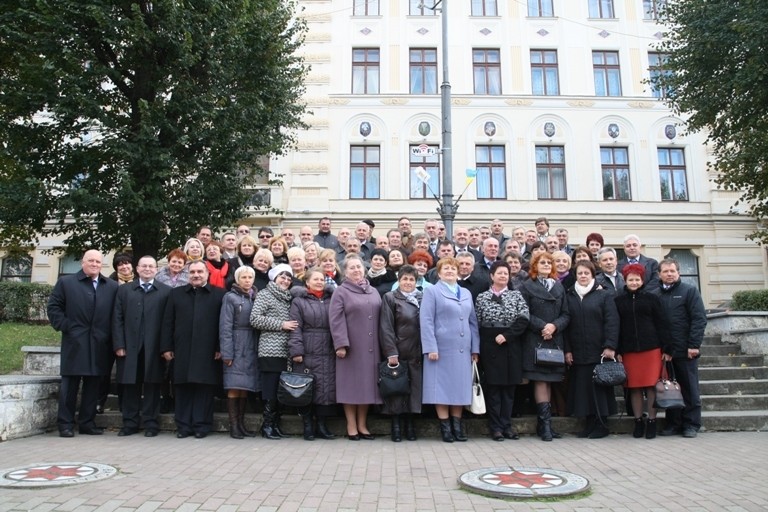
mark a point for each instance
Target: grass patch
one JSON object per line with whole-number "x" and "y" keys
{"x": 14, "y": 336}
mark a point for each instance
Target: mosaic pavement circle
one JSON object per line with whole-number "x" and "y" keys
{"x": 55, "y": 474}
{"x": 523, "y": 483}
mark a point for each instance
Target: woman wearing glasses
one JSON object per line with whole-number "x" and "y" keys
{"x": 548, "y": 319}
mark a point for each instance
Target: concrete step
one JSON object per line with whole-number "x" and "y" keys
{"x": 712, "y": 340}
{"x": 733, "y": 387}
{"x": 737, "y": 360}
{"x": 720, "y": 421}
{"x": 722, "y": 350}
{"x": 732, "y": 372}
{"x": 722, "y": 402}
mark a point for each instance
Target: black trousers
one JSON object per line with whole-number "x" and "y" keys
{"x": 194, "y": 408}
{"x": 133, "y": 407}
{"x": 499, "y": 401}
{"x": 68, "y": 401}
{"x": 687, "y": 374}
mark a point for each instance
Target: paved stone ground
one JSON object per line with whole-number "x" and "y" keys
{"x": 714, "y": 472}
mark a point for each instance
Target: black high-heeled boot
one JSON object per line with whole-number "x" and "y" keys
{"x": 242, "y": 404}
{"x": 267, "y": 426}
{"x": 545, "y": 421}
{"x": 322, "y": 429}
{"x": 410, "y": 429}
{"x": 234, "y": 426}
{"x": 458, "y": 429}
{"x": 395, "y": 433}
{"x": 445, "y": 431}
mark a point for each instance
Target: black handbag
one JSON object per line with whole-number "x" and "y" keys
{"x": 668, "y": 394}
{"x": 295, "y": 389}
{"x": 546, "y": 356}
{"x": 393, "y": 380}
{"x": 609, "y": 373}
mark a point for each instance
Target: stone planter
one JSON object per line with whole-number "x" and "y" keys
{"x": 41, "y": 360}
{"x": 28, "y": 405}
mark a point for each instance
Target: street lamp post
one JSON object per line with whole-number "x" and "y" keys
{"x": 448, "y": 207}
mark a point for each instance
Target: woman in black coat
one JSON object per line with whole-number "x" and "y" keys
{"x": 549, "y": 318}
{"x": 310, "y": 347}
{"x": 502, "y": 316}
{"x": 640, "y": 345}
{"x": 592, "y": 334}
{"x": 400, "y": 340}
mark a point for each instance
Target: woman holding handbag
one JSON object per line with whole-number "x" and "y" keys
{"x": 502, "y": 316}
{"x": 310, "y": 347}
{"x": 592, "y": 334}
{"x": 400, "y": 340}
{"x": 549, "y": 317}
{"x": 640, "y": 346}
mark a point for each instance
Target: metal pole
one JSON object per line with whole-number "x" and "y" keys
{"x": 447, "y": 208}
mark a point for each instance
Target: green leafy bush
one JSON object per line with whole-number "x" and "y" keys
{"x": 24, "y": 302}
{"x": 750, "y": 300}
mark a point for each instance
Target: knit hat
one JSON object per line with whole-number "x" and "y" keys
{"x": 279, "y": 269}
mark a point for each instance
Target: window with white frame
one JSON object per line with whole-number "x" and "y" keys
{"x": 484, "y": 8}
{"x": 365, "y": 7}
{"x": 365, "y": 70}
{"x": 672, "y": 174}
{"x": 17, "y": 267}
{"x": 550, "y": 172}
{"x": 491, "y": 167}
{"x": 364, "y": 172}
{"x": 601, "y": 9}
{"x": 607, "y": 73}
{"x": 423, "y": 70}
{"x": 614, "y": 163}
{"x": 652, "y": 9}
{"x": 657, "y": 68}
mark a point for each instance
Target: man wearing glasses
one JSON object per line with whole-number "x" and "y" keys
{"x": 242, "y": 230}
{"x": 265, "y": 235}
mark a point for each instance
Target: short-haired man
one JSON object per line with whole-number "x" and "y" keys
{"x": 632, "y": 254}
{"x": 444, "y": 250}
{"x": 519, "y": 234}
{"x": 475, "y": 240}
{"x": 242, "y": 230}
{"x": 382, "y": 242}
{"x": 461, "y": 241}
{"x": 289, "y": 237}
{"x": 205, "y": 235}
{"x": 228, "y": 245}
{"x": 342, "y": 236}
{"x": 551, "y": 244}
{"x": 511, "y": 245}
{"x": 136, "y": 324}
{"x": 431, "y": 228}
{"x": 404, "y": 225}
{"x": 395, "y": 239}
{"x": 562, "y": 241}
{"x": 306, "y": 235}
{"x": 80, "y": 307}
{"x": 482, "y": 271}
{"x": 324, "y": 237}
{"x": 467, "y": 278}
{"x": 190, "y": 337}
{"x": 363, "y": 236}
{"x": 485, "y": 232}
{"x": 497, "y": 231}
{"x": 687, "y": 321}
{"x": 265, "y": 236}
{"x": 608, "y": 277}
{"x": 542, "y": 228}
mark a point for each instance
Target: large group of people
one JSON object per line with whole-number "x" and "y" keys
{"x": 226, "y": 317}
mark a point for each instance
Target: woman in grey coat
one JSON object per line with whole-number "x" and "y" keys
{"x": 354, "y": 314}
{"x": 450, "y": 342}
{"x": 310, "y": 347}
{"x": 400, "y": 339}
{"x": 270, "y": 315}
{"x": 238, "y": 349}
{"x": 549, "y": 317}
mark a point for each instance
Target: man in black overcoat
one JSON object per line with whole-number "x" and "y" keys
{"x": 136, "y": 324}
{"x": 190, "y": 336}
{"x": 80, "y": 307}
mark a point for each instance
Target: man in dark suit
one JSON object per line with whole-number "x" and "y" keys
{"x": 190, "y": 337}
{"x": 461, "y": 242}
{"x": 481, "y": 275}
{"x": 632, "y": 247}
{"x": 608, "y": 277}
{"x": 136, "y": 324}
{"x": 80, "y": 307}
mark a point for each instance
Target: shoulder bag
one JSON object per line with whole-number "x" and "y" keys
{"x": 296, "y": 389}
{"x": 477, "y": 406}
{"x": 393, "y": 380}
{"x": 668, "y": 394}
{"x": 610, "y": 373}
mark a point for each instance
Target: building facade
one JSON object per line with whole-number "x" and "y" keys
{"x": 552, "y": 115}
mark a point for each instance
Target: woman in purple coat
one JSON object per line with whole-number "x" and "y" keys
{"x": 354, "y": 315}
{"x": 450, "y": 342}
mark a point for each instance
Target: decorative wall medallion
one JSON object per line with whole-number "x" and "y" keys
{"x": 489, "y": 128}
{"x": 365, "y": 128}
{"x": 543, "y": 32}
{"x": 670, "y": 131}
{"x": 424, "y": 128}
{"x": 366, "y": 31}
{"x": 603, "y": 33}
{"x": 613, "y": 130}
{"x": 423, "y": 31}
{"x": 549, "y": 129}
{"x": 485, "y": 31}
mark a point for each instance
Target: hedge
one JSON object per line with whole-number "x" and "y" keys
{"x": 750, "y": 300}
{"x": 24, "y": 302}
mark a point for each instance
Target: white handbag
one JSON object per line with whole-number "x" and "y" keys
{"x": 477, "y": 406}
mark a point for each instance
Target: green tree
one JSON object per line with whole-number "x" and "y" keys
{"x": 137, "y": 121}
{"x": 718, "y": 76}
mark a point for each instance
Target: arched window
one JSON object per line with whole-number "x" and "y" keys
{"x": 17, "y": 267}
{"x": 689, "y": 266}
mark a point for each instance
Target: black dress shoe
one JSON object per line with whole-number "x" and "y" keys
{"x": 150, "y": 433}
{"x": 67, "y": 432}
{"x": 95, "y": 431}
{"x": 510, "y": 434}
{"x": 497, "y": 436}
{"x": 127, "y": 432}
{"x": 353, "y": 437}
{"x": 99, "y": 409}
{"x": 367, "y": 437}
{"x": 200, "y": 435}
{"x": 182, "y": 435}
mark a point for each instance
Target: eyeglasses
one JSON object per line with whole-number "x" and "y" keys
{"x": 545, "y": 262}
{"x": 285, "y": 274}
{"x": 243, "y": 231}
{"x": 264, "y": 237}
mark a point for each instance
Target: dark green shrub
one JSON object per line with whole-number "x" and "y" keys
{"x": 750, "y": 300}
{"x": 24, "y": 302}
